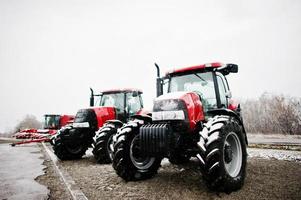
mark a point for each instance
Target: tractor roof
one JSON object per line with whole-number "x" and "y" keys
{"x": 52, "y": 115}
{"x": 223, "y": 68}
{"x": 195, "y": 68}
{"x": 61, "y": 115}
{"x": 122, "y": 90}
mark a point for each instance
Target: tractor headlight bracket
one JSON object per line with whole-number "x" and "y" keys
{"x": 168, "y": 115}
{"x": 81, "y": 125}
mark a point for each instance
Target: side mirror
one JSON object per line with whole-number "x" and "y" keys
{"x": 232, "y": 68}
{"x": 229, "y": 68}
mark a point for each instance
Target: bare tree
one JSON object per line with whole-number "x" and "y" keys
{"x": 29, "y": 121}
{"x": 272, "y": 114}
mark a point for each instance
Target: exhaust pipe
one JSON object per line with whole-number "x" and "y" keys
{"x": 158, "y": 70}
{"x": 159, "y": 84}
{"x": 92, "y": 98}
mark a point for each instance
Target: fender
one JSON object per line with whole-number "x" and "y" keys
{"x": 143, "y": 112}
{"x": 231, "y": 113}
{"x": 115, "y": 122}
{"x": 146, "y": 118}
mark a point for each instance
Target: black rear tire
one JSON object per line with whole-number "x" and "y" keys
{"x": 124, "y": 160}
{"x": 67, "y": 151}
{"x": 223, "y": 159}
{"x": 102, "y": 142}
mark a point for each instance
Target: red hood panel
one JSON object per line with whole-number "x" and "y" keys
{"x": 193, "y": 104}
{"x": 103, "y": 114}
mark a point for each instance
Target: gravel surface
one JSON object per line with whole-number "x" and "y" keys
{"x": 266, "y": 179}
{"x": 271, "y": 174}
{"x": 52, "y": 180}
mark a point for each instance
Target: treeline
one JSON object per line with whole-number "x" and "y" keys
{"x": 272, "y": 114}
{"x": 28, "y": 122}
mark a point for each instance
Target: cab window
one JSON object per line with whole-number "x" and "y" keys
{"x": 133, "y": 103}
{"x": 200, "y": 83}
{"x": 113, "y": 100}
{"x": 222, "y": 91}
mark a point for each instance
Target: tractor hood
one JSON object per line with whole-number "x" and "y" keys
{"x": 189, "y": 102}
{"x": 172, "y": 95}
{"x": 103, "y": 114}
{"x": 94, "y": 117}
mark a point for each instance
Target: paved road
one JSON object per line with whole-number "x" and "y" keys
{"x": 19, "y": 166}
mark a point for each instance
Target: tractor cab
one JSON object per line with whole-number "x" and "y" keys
{"x": 126, "y": 102}
{"x": 208, "y": 81}
{"x": 55, "y": 122}
{"x": 51, "y": 121}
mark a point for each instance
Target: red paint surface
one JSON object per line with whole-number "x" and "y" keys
{"x": 194, "y": 108}
{"x": 197, "y": 67}
{"x": 193, "y": 105}
{"x": 122, "y": 90}
{"x": 103, "y": 114}
{"x": 233, "y": 105}
{"x": 66, "y": 119}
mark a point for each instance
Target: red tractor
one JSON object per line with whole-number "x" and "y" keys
{"x": 194, "y": 118}
{"x": 52, "y": 123}
{"x": 108, "y": 113}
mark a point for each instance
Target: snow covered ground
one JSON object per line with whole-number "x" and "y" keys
{"x": 274, "y": 139}
{"x": 275, "y": 154}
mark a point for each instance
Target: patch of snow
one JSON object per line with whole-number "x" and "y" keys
{"x": 275, "y": 154}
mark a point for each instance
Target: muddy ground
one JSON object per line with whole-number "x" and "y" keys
{"x": 266, "y": 179}
{"x": 52, "y": 180}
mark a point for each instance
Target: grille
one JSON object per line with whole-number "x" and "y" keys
{"x": 155, "y": 139}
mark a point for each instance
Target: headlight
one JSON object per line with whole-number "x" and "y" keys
{"x": 81, "y": 125}
{"x": 168, "y": 115}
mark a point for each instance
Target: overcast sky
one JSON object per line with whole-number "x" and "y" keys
{"x": 51, "y": 52}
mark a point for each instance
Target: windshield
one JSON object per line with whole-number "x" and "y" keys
{"x": 201, "y": 83}
{"x": 133, "y": 103}
{"x": 51, "y": 122}
{"x": 112, "y": 100}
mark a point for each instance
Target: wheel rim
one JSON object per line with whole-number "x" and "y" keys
{"x": 110, "y": 147}
{"x": 232, "y": 154}
{"x": 138, "y": 160}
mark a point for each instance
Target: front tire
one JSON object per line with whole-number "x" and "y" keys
{"x": 103, "y": 144}
{"x": 223, "y": 154}
{"x": 67, "y": 151}
{"x": 128, "y": 162}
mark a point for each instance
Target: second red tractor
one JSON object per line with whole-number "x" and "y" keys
{"x": 96, "y": 125}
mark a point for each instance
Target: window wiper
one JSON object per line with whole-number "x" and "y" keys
{"x": 200, "y": 77}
